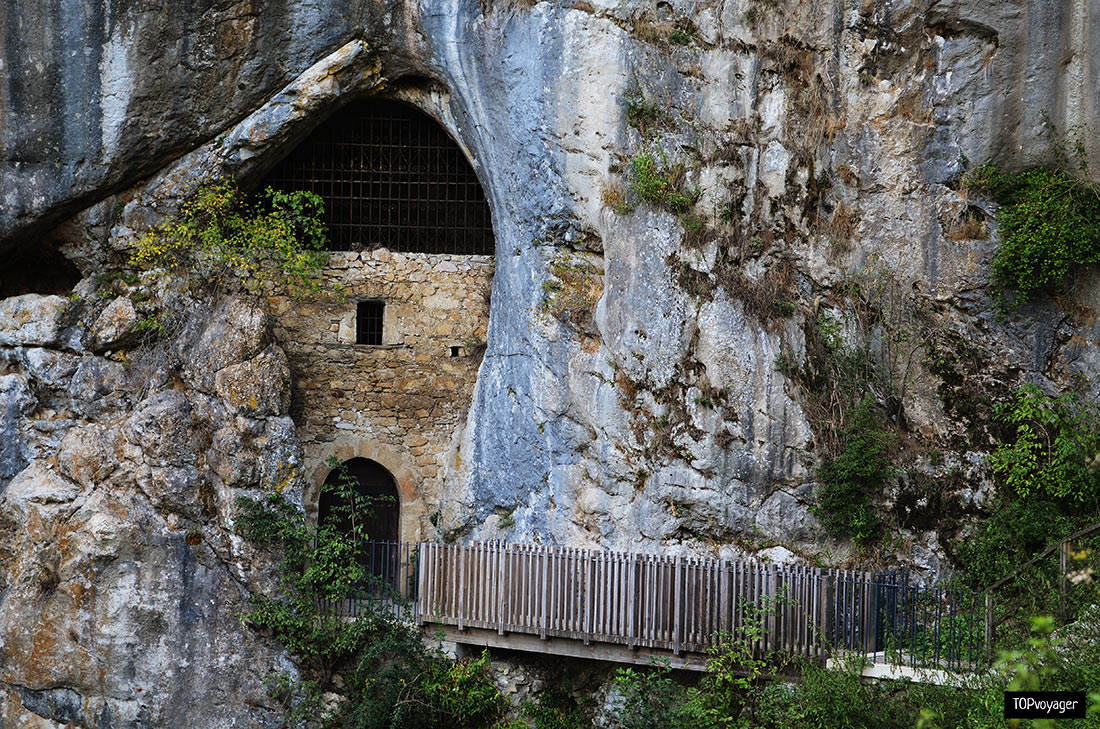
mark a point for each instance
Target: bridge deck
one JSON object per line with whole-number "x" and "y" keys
{"x": 631, "y": 607}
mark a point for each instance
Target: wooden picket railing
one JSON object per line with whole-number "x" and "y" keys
{"x": 686, "y": 604}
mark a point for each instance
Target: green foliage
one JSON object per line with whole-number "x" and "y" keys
{"x": 740, "y": 691}
{"x": 225, "y": 239}
{"x": 679, "y": 37}
{"x": 553, "y": 710}
{"x": 1049, "y": 223}
{"x": 1055, "y": 440}
{"x": 392, "y": 680}
{"x": 850, "y": 480}
{"x": 398, "y": 683}
{"x": 1049, "y": 659}
{"x": 679, "y": 202}
{"x": 151, "y": 324}
{"x": 1014, "y": 531}
{"x": 651, "y": 699}
{"x": 839, "y": 698}
{"x": 647, "y": 180}
{"x": 320, "y": 565}
{"x": 641, "y": 113}
{"x": 691, "y": 223}
{"x": 823, "y": 700}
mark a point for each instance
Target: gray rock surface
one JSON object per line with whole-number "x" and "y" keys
{"x": 116, "y": 326}
{"x": 821, "y": 140}
{"x": 32, "y": 320}
{"x": 123, "y": 578}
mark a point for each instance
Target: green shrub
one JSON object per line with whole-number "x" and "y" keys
{"x": 226, "y": 240}
{"x": 1014, "y": 532}
{"x": 319, "y": 564}
{"x": 641, "y": 113}
{"x": 850, "y": 480}
{"x": 1054, "y": 443}
{"x": 647, "y": 181}
{"x": 679, "y": 202}
{"x": 554, "y": 710}
{"x": 391, "y": 677}
{"x": 651, "y": 699}
{"x": 679, "y": 37}
{"x": 1049, "y": 223}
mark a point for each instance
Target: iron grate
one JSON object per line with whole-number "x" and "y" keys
{"x": 368, "y": 322}
{"x": 390, "y": 176}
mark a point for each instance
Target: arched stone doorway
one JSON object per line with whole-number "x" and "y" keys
{"x": 374, "y": 483}
{"x": 398, "y": 467}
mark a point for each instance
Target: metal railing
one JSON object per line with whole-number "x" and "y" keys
{"x": 391, "y": 583}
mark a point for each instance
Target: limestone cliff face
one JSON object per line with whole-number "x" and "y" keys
{"x": 122, "y": 581}
{"x": 818, "y": 143}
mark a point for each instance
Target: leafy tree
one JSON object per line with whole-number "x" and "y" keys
{"x": 390, "y": 678}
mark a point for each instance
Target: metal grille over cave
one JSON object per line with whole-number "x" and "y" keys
{"x": 390, "y": 176}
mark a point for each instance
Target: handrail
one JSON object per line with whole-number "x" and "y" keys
{"x": 1045, "y": 553}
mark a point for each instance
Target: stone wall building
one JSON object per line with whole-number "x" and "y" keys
{"x": 400, "y": 402}
{"x": 385, "y": 369}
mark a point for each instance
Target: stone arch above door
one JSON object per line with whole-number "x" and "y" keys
{"x": 405, "y": 474}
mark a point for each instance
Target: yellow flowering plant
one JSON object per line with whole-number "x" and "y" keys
{"x": 225, "y": 238}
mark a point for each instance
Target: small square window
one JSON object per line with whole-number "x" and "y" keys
{"x": 368, "y": 322}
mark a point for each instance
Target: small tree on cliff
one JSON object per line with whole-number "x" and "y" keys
{"x": 227, "y": 240}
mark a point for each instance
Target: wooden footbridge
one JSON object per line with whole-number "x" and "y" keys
{"x": 628, "y": 607}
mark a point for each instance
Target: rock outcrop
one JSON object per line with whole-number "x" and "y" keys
{"x": 122, "y": 577}
{"x": 816, "y": 148}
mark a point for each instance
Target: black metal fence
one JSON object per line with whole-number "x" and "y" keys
{"x": 890, "y": 620}
{"x": 391, "y": 581}
{"x": 390, "y": 176}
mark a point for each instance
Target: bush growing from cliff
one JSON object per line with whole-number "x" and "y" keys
{"x": 226, "y": 239}
{"x": 389, "y": 677}
{"x": 1049, "y": 489}
{"x": 1049, "y": 223}
{"x": 647, "y": 180}
{"x": 850, "y": 480}
{"x": 1052, "y": 449}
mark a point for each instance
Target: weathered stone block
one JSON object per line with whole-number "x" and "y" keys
{"x": 116, "y": 325}
{"x": 32, "y": 320}
{"x": 258, "y": 387}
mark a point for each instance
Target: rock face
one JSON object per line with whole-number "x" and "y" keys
{"x": 635, "y": 391}
{"x": 122, "y": 577}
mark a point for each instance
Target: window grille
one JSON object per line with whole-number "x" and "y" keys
{"x": 390, "y": 176}
{"x": 368, "y": 322}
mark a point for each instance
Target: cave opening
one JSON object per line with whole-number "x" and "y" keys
{"x": 38, "y": 269}
{"x": 390, "y": 176}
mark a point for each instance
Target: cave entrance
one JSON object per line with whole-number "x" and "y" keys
{"x": 391, "y": 177}
{"x": 373, "y": 486}
{"x": 36, "y": 269}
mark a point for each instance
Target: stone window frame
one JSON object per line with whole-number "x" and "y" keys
{"x": 360, "y": 329}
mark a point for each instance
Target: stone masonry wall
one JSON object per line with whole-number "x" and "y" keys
{"x": 399, "y": 403}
